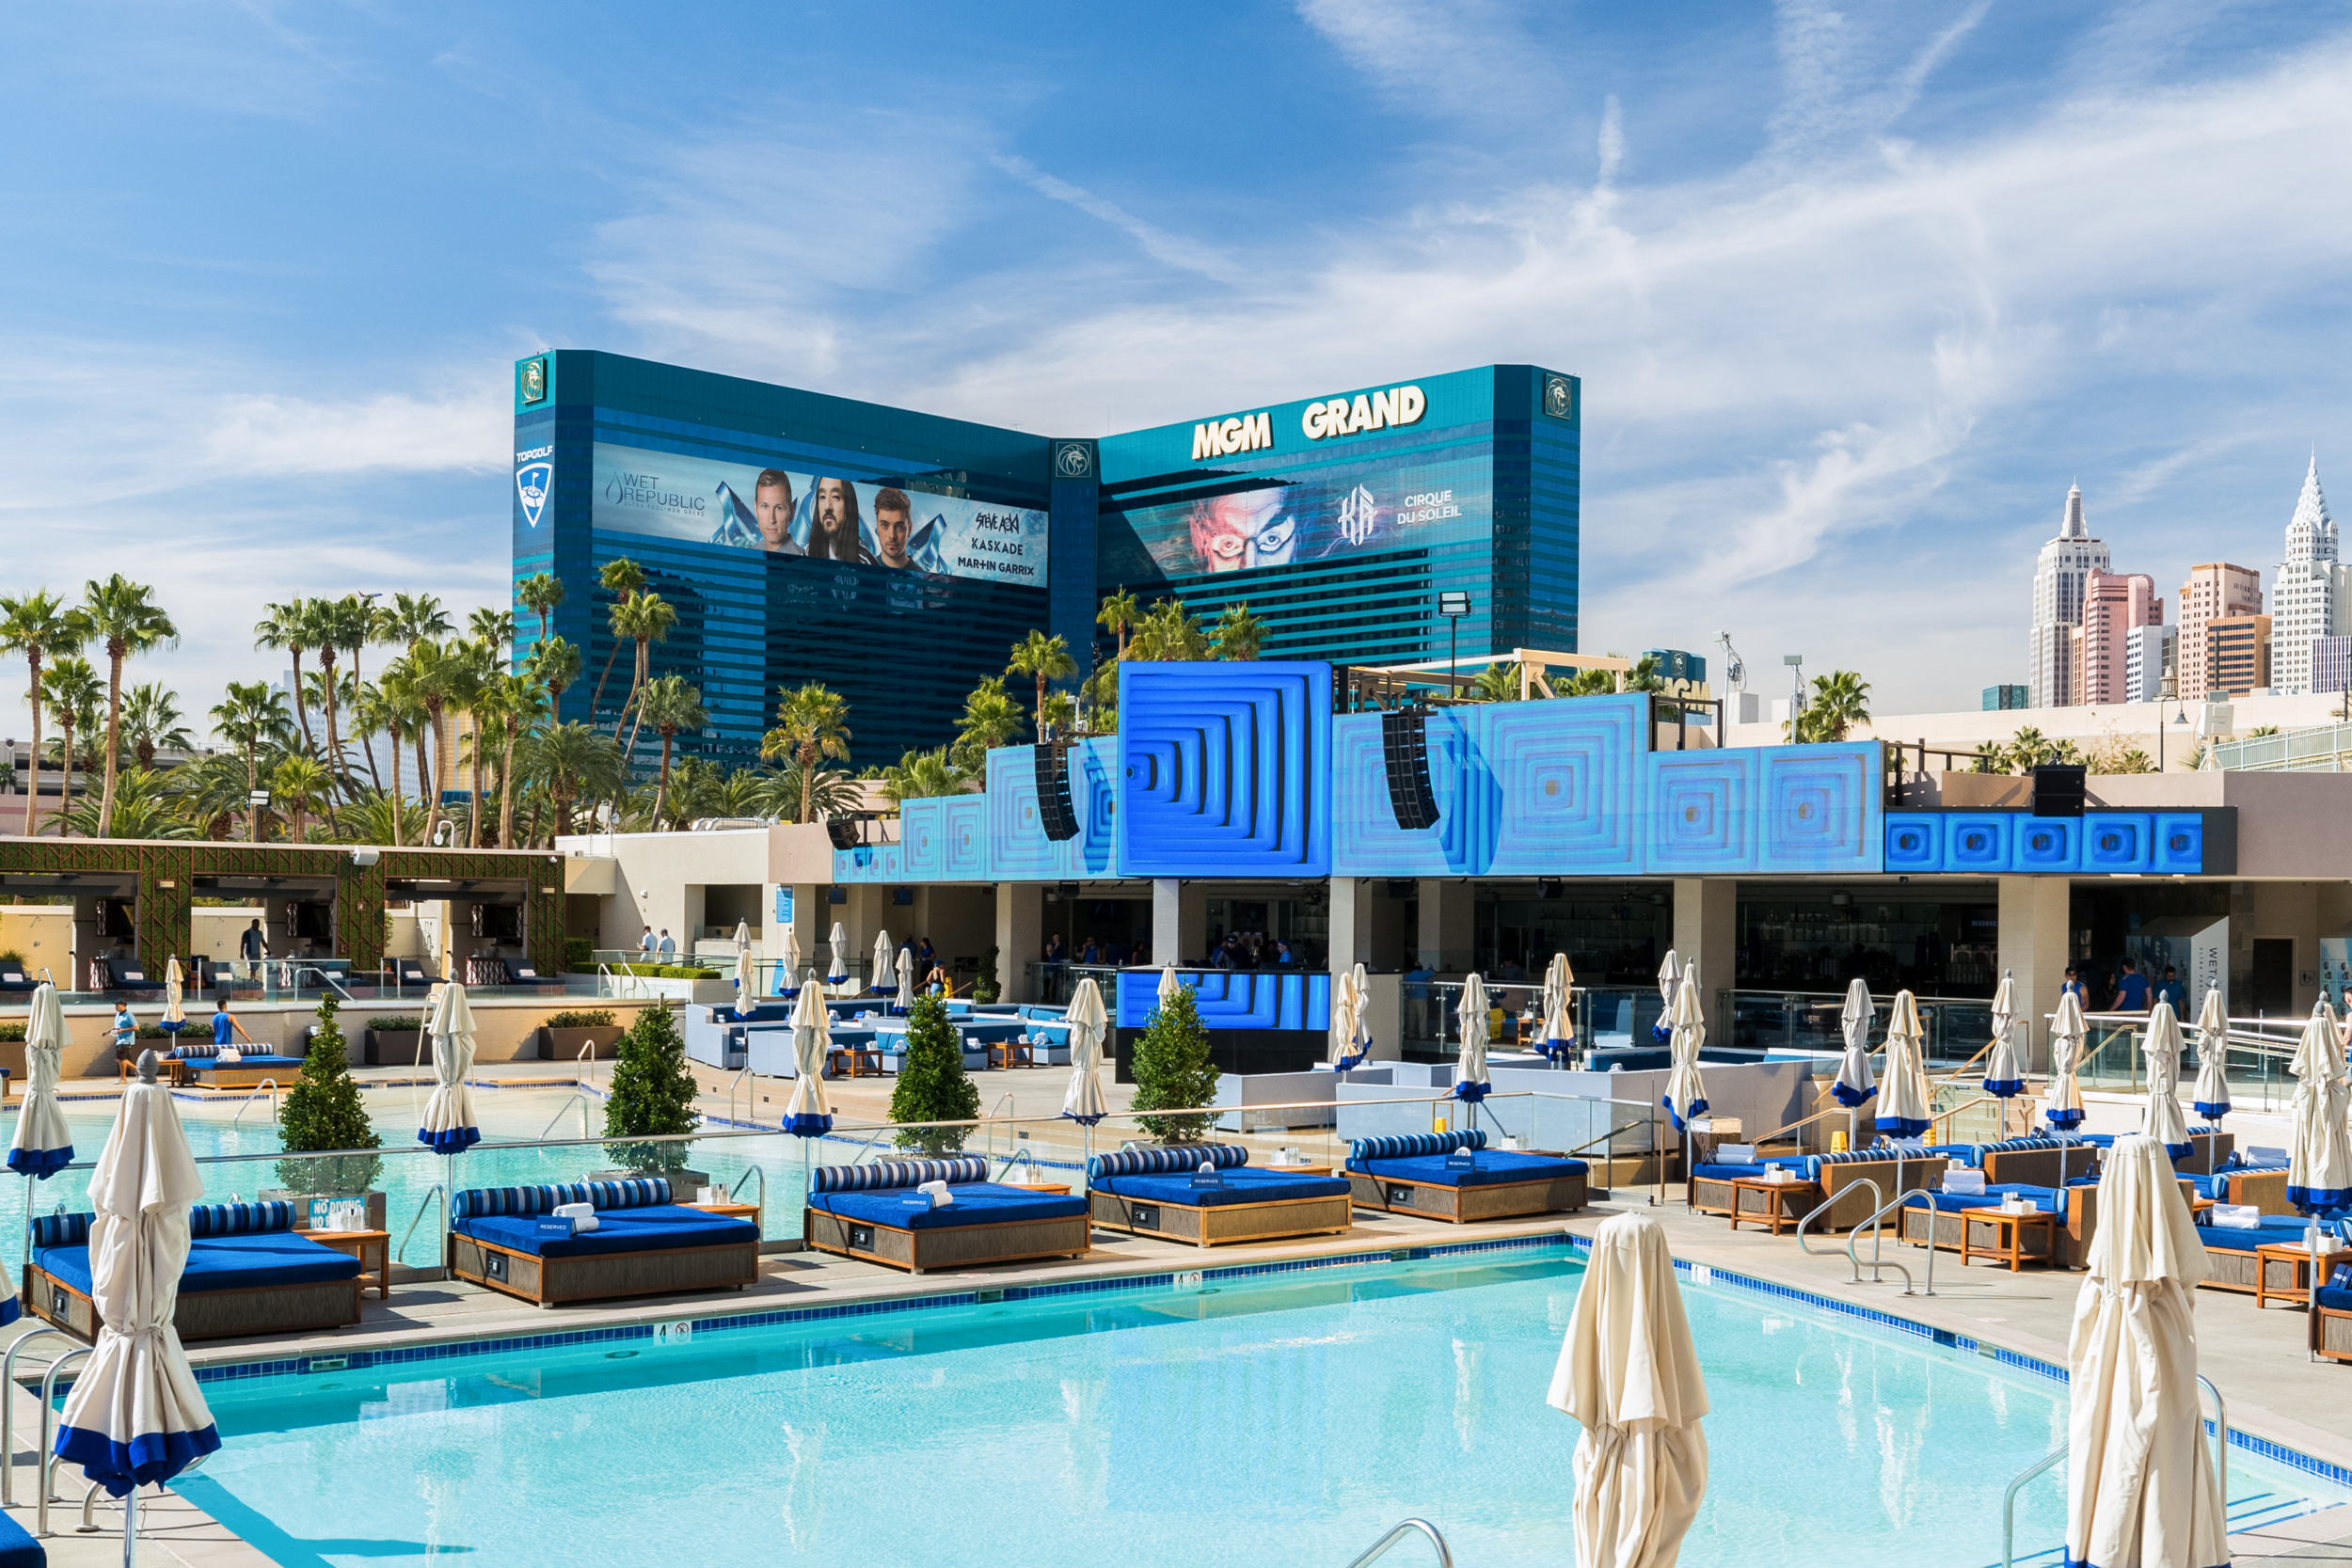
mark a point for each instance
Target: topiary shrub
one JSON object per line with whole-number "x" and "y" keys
{"x": 580, "y": 954}
{"x": 323, "y": 1111}
{"x": 984, "y": 986}
{"x": 1173, "y": 1071}
{"x": 932, "y": 1084}
{"x": 581, "y": 1018}
{"x": 652, "y": 1094}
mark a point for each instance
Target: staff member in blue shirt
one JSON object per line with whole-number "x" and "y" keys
{"x": 126, "y": 1030}
{"x": 226, "y": 1030}
{"x": 2131, "y": 991}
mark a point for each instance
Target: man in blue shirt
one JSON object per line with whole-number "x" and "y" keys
{"x": 2170, "y": 989}
{"x": 2131, "y": 991}
{"x": 126, "y": 1030}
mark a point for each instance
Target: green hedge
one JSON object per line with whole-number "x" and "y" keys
{"x": 592, "y": 1018}
{"x": 397, "y": 1023}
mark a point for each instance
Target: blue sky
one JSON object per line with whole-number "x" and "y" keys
{"x": 1856, "y": 294}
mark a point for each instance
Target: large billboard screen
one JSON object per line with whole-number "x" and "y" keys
{"x": 826, "y": 517}
{"x": 1331, "y": 512}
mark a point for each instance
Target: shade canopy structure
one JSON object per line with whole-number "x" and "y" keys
{"x": 1351, "y": 1041}
{"x": 837, "y": 965}
{"x": 175, "y": 1016}
{"x": 42, "y": 1144}
{"x": 2142, "y": 1486}
{"x": 808, "y": 1114}
{"x": 1083, "y": 1101}
{"x": 2063, "y": 1109}
{"x": 1686, "y": 1092}
{"x": 1629, "y": 1372}
{"x": 746, "y": 973}
{"x": 1470, "y": 1070}
{"x": 136, "y": 1415}
{"x": 885, "y": 975}
{"x": 1855, "y": 1082}
{"x": 2002, "y": 1075}
{"x": 2319, "y": 1152}
{"x": 2162, "y": 1045}
{"x": 1669, "y": 981}
{"x": 790, "y": 960}
{"x": 2211, "y": 1095}
{"x": 449, "y": 1124}
{"x": 1904, "y": 1110}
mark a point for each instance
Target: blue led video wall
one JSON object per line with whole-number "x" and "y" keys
{"x": 1233, "y": 999}
{"x": 1225, "y": 769}
{"x": 2119, "y": 843}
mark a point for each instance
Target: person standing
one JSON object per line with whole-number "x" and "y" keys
{"x": 126, "y": 1032}
{"x": 253, "y": 950}
{"x": 2131, "y": 991}
{"x": 2170, "y": 989}
{"x": 668, "y": 946}
{"x": 645, "y": 945}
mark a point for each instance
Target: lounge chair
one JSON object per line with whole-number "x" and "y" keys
{"x": 2243, "y": 1181}
{"x": 13, "y": 978}
{"x": 17, "y": 1547}
{"x": 250, "y": 1272}
{"x": 2036, "y": 1159}
{"x": 1418, "y": 1173}
{"x": 2330, "y": 1332}
{"x": 1841, "y": 1174}
{"x": 874, "y": 1212}
{"x": 198, "y": 1062}
{"x": 2231, "y": 1259}
{"x": 132, "y": 975}
{"x": 1156, "y": 1192}
{"x": 507, "y": 1239}
{"x": 410, "y": 971}
{"x": 1951, "y": 1223}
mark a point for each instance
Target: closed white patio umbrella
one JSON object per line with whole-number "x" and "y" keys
{"x": 2063, "y": 1109}
{"x": 906, "y": 983}
{"x": 1855, "y": 1082}
{"x": 42, "y": 1144}
{"x": 1556, "y": 1031}
{"x": 1169, "y": 985}
{"x": 1629, "y": 1375}
{"x": 808, "y": 1114}
{"x": 1349, "y": 1038}
{"x": 2002, "y": 1075}
{"x": 1903, "y": 1111}
{"x": 136, "y": 1415}
{"x": 2140, "y": 1484}
{"x": 1469, "y": 1068}
{"x": 1669, "y": 980}
{"x": 885, "y": 975}
{"x": 2319, "y": 1154}
{"x": 2162, "y": 1044}
{"x": 175, "y": 1016}
{"x": 1083, "y": 1102}
{"x": 746, "y": 973}
{"x": 839, "y": 969}
{"x": 1686, "y": 1093}
{"x": 450, "y": 1125}
{"x": 2211, "y": 1094}
{"x": 790, "y": 960}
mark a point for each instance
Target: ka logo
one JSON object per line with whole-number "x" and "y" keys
{"x": 530, "y": 484}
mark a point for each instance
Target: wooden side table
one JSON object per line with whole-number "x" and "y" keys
{"x": 855, "y": 1060}
{"x": 2007, "y": 1235}
{"x": 1037, "y": 1186}
{"x": 356, "y": 1243}
{"x": 1011, "y": 1053}
{"x": 1309, "y": 1169}
{"x": 2284, "y": 1270}
{"x": 1776, "y": 1210}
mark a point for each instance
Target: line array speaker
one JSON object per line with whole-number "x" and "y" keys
{"x": 1054, "y": 810}
{"x": 2057, "y": 789}
{"x": 1405, "y": 749}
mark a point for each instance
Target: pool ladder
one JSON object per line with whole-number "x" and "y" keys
{"x": 1381, "y": 1547}
{"x": 1876, "y": 1222}
{"x": 2221, "y": 1461}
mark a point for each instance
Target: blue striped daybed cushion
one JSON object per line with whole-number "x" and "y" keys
{"x": 1241, "y": 1185}
{"x": 886, "y": 1173}
{"x": 977, "y": 1203}
{"x": 644, "y": 1192}
{"x": 1184, "y": 1158}
{"x": 234, "y": 1246}
{"x": 1406, "y": 1146}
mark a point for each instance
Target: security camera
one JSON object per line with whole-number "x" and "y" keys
{"x": 366, "y": 857}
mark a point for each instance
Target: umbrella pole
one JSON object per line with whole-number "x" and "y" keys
{"x": 130, "y": 1526}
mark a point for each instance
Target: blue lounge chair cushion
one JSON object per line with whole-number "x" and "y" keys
{"x": 657, "y": 1229}
{"x": 1240, "y": 1185}
{"x": 248, "y": 1262}
{"x": 1495, "y": 1168}
{"x": 2049, "y": 1200}
{"x": 2336, "y": 1296}
{"x": 2275, "y": 1230}
{"x": 977, "y": 1203}
{"x": 1803, "y": 1169}
{"x": 212, "y": 1064}
{"x": 2216, "y": 1186}
{"x": 18, "y": 1549}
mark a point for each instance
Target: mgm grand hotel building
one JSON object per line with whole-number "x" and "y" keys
{"x": 896, "y": 556}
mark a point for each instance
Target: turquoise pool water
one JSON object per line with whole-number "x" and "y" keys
{"x": 508, "y": 1116}
{"x": 1284, "y": 1420}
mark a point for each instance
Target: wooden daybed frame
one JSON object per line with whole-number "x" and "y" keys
{"x": 212, "y": 1314}
{"x": 546, "y": 1281}
{"x": 946, "y": 1247}
{"x": 1222, "y": 1224}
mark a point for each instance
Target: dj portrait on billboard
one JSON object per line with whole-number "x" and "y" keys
{"x": 835, "y": 522}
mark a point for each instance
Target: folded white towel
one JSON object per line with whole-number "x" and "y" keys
{"x": 1735, "y": 1154}
{"x": 230, "y": 1056}
{"x": 1969, "y": 1183}
{"x": 583, "y": 1215}
{"x": 2237, "y": 1216}
{"x": 937, "y": 1192}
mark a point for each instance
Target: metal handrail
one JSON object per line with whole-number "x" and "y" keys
{"x": 437, "y": 1190}
{"x": 46, "y": 1467}
{"x": 8, "y": 1407}
{"x": 268, "y": 1085}
{"x": 1380, "y": 1548}
{"x": 2221, "y": 1470}
{"x": 1966, "y": 1104}
{"x": 587, "y": 1053}
{"x": 738, "y": 1078}
{"x": 735, "y": 1192}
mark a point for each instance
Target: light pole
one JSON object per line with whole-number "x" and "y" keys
{"x": 1796, "y": 692}
{"x": 1452, "y": 606}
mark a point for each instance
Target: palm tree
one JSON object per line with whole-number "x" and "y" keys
{"x": 433, "y": 671}
{"x": 372, "y": 714}
{"x": 1045, "y": 658}
{"x": 646, "y": 620}
{"x": 573, "y": 761}
{"x": 70, "y": 686}
{"x": 124, "y": 616}
{"x": 517, "y": 703}
{"x": 1167, "y": 631}
{"x": 210, "y": 791}
{"x": 150, "y": 720}
{"x": 297, "y": 785}
{"x": 540, "y": 594}
{"x": 37, "y": 625}
{"x": 1496, "y": 682}
{"x": 554, "y": 664}
{"x": 795, "y": 794}
{"x": 920, "y": 775}
{"x": 1238, "y": 633}
{"x": 413, "y": 618}
{"x": 473, "y": 667}
{"x": 404, "y": 690}
{"x": 1117, "y": 616}
{"x": 286, "y": 628}
{"x": 1842, "y": 700}
{"x": 251, "y": 716}
{"x": 623, "y": 578}
{"x": 144, "y": 808}
{"x": 492, "y": 628}
{"x": 991, "y": 719}
{"x": 380, "y": 818}
{"x": 669, "y": 705}
{"x": 812, "y": 724}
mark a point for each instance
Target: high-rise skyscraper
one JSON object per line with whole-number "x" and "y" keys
{"x": 2311, "y": 597}
{"x": 2058, "y": 577}
{"x": 2114, "y": 606}
{"x": 2215, "y": 590}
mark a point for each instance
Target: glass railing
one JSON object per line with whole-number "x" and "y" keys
{"x": 1956, "y": 1028}
{"x": 2256, "y": 1063}
{"x": 1052, "y": 984}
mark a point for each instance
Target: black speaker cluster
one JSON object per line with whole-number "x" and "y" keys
{"x": 1054, "y": 810}
{"x": 1405, "y": 748}
{"x": 2057, "y": 789}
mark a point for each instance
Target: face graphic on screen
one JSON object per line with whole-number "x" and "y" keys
{"x": 894, "y": 520}
{"x": 834, "y": 534}
{"x": 773, "y": 504}
{"x": 1234, "y": 533}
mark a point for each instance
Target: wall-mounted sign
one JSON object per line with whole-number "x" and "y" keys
{"x": 1365, "y": 411}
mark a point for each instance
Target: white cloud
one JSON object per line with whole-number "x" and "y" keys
{"x": 1470, "y": 58}
{"x": 1161, "y": 246}
{"x": 273, "y": 434}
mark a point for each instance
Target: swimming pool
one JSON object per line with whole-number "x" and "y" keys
{"x": 1276, "y": 1418}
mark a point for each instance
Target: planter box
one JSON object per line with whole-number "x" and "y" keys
{"x": 398, "y": 1048}
{"x": 686, "y": 1186}
{"x": 564, "y": 1045}
{"x": 302, "y": 1204}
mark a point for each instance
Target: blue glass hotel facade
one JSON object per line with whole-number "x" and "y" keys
{"x": 895, "y": 556}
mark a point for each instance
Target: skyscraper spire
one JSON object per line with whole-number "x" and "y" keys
{"x": 2072, "y": 526}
